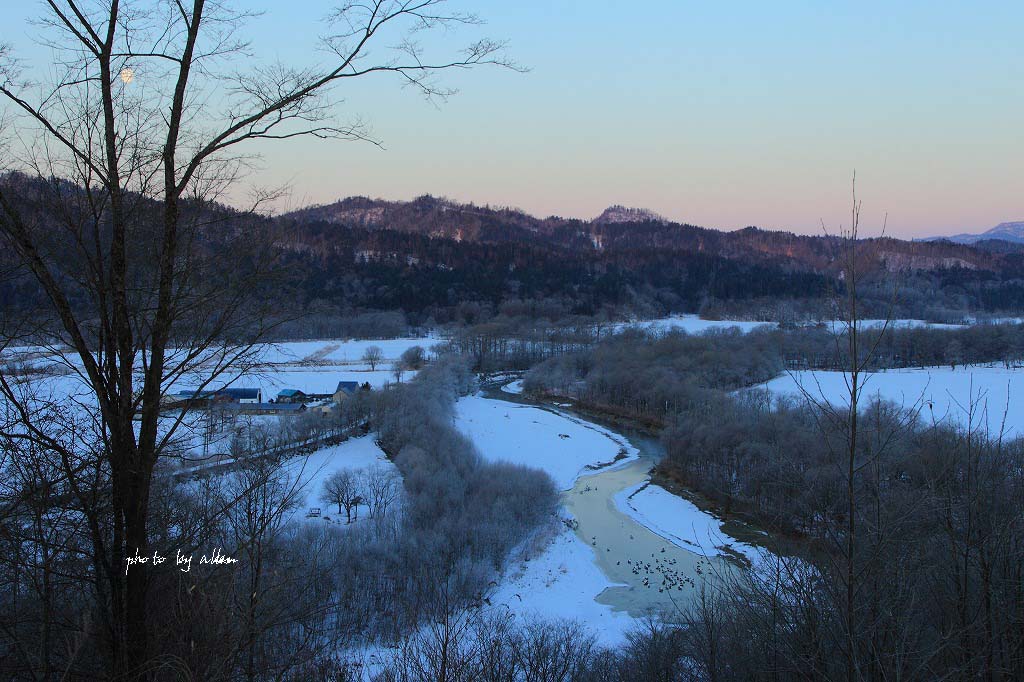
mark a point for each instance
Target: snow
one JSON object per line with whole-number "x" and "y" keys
{"x": 313, "y": 470}
{"x": 839, "y": 326}
{"x": 516, "y": 387}
{"x": 680, "y": 522}
{"x": 561, "y": 582}
{"x": 941, "y": 393}
{"x": 555, "y": 576}
{"x": 692, "y": 324}
{"x": 559, "y": 444}
{"x": 340, "y": 351}
{"x": 316, "y": 380}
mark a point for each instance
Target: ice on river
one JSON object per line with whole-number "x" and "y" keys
{"x": 559, "y": 444}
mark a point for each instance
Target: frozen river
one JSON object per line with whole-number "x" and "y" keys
{"x": 651, "y": 563}
{"x": 651, "y": 574}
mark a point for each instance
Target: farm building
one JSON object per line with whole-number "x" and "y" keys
{"x": 245, "y": 396}
{"x": 345, "y": 390}
{"x": 223, "y": 395}
{"x": 291, "y": 395}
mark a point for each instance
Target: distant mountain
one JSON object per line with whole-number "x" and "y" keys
{"x": 431, "y": 251}
{"x": 622, "y": 214}
{"x": 1008, "y": 232}
{"x": 620, "y": 229}
{"x": 435, "y": 257}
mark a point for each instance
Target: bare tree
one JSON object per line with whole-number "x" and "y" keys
{"x": 382, "y": 488}
{"x": 259, "y": 497}
{"x": 147, "y": 121}
{"x": 413, "y": 358}
{"x": 373, "y": 357}
{"x": 857, "y": 451}
{"x": 343, "y": 489}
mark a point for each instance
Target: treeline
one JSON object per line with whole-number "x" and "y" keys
{"x": 505, "y": 343}
{"x": 460, "y": 515}
{"x": 653, "y": 376}
{"x": 302, "y": 600}
{"x": 898, "y": 346}
{"x": 910, "y": 533}
{"x": 936, "y": 542}
{"x": 430, "y": 276}
{"x": 321, "y": 320}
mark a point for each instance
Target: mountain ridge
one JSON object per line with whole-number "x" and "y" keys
{"x": 1011, "y": 231}
{"x": 622, "y": 228}
{"x": 434, "y": 257}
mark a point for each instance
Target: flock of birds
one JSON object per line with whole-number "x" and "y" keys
{"x": 657, "y": 572}
{"x": 671, "y": 578}
{"x": 655, "y": 568}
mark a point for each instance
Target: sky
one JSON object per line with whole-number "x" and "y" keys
{"x": 722, "y": 114}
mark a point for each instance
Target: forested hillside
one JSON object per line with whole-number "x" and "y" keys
{"x": 633, "y": 258}
{"x": 431, "y": 258}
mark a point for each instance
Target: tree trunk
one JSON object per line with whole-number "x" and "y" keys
{"x": 137, "y": 582}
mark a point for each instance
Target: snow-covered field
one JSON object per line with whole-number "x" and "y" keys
{"x": 691, "y": 324}
{"x": 559, "y": 444}
{"x": 341, "y": 352}
{"x": 318, "y": 366}
{"x": 323, "y": 379}
{"x": 310, "y": 366}
{"x": 940, "y": 393}
{"x": 680, "y": 522}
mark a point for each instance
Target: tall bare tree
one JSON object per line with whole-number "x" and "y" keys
{"x": 149, "y": 118}
{"x": 855, "y": 448}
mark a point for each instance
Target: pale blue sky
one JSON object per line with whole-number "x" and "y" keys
{"x": 719, "y": 114}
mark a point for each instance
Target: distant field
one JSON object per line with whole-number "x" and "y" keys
{"x": 693, "y": 324}
{"x": 941, "y": 393}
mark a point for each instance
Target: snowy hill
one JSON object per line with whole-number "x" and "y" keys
{"x": 1008, "y": 232}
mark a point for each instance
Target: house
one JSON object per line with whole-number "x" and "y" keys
{"x": 345, "y": 390}
{"x": 291, "y": 395}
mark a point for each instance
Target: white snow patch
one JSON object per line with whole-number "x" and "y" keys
{"x": 561, "y": 581}
{"x": 342, "y": 351}
{"x": 516, "y": 387}
{"x": 692, "y": 324}
{"x": 680, "y": 522}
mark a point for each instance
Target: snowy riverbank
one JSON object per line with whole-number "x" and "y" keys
{"x": 623, "y": 562}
